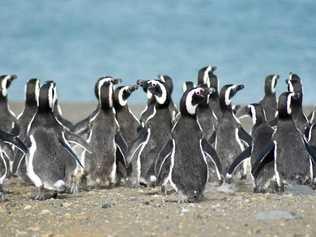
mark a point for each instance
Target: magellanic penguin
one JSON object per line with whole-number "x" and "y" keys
{"x": 151, "y": 102}
{"x": 151, "y": 138}
{"x": 261, "y": 136}
{"x": 207, "y": 76}
{"x": 8, "y": 121}
{"x": 269, "y": 102}
{"x": 105, "y": 139}
{"x": 205, "y": 114}
{"x": 231, "y": 139}
{"x": 6, "y": 138}
{"x": 183, "y": 161}
{"x": 295, "y": 85}
{"x": 292, "y": 155}
{"x": 127, "y": 121}
{"x": 82, "y": 127}
{"x": 32, "y": 90}
{"x": 50, "y": 162}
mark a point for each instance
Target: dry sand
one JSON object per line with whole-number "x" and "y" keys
{"x": 145, "y": 212}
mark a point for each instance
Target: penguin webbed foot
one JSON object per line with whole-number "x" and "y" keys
{"x": 43, "y": 194}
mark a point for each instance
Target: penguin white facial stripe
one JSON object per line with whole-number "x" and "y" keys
{"x": 289, "y": 101}
{"x": 206, "y": 78}
{"x": 51, "y": 99}
{"x": 2, "y": 178}
{"x": 122, "y": 101}
{"x": 227, "y": 94}
{"x": 162, "y": 78}
{"x": 4, "y": 83}
{"x": 188, "y": 102}
{"x": 273, "y": 83}
{"x": 37, "y": 92}
{"x": 29, "y": 167}
{"x": 161, "y": 99}
{"x": 253, "y": 114}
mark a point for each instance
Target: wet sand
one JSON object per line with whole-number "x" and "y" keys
{"x": 145, "y": 212}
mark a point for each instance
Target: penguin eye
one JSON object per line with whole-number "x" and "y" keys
{"x": 198, "y": 93}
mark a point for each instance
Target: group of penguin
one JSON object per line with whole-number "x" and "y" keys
{"x": 180, "y": 150}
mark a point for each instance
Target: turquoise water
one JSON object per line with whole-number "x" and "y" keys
{"x": 74, "y": 42}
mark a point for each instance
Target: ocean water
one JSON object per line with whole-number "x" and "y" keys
{"x": 75, "y": 41}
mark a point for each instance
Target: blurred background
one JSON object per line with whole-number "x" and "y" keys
{"x": 75, "y": 41}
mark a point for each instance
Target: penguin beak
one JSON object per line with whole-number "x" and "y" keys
{"x": 141, "y": 82}
{"x": 12, "y": 78}
{"x": 239, "y": 87}
{"x": 116, "y": 81}
{"x": 213, "y": 69}
{"x": 132, "y": 88}
{"x": 209, "y": 91}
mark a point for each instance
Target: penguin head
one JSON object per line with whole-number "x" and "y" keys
{"x": 294, "y": 83}
{"x": 121, "y": 94}
{"x": 206, "y": 76}
{"x": 32, "y": 91}
{"x": 160, "y": 90}
{"x": 102, "y": 80}
{"x": 5, "y": 82}
{"x": 192, "y": 98}
{"x": 271, "y": 82}
{"x": 257, "y": 113}
{"x": 106, "y": 95}
{"x": 188, "y": 85}
{"x": 47, "y": 97}
{"x": 227, "y": 93}
{"x": 285, "y": 104}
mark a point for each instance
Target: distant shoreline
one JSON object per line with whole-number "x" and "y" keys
{"x": 75, "y": 111}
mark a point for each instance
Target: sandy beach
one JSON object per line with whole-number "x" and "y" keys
{"x": 145, "y": 212}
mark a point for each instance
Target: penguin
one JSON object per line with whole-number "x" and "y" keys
{"x": 261, "y": 134}
{"x": 231, "y": 139}
{"x": 13, "y": 140}
{"x": 292, "y": 155}
{"x": 206, "y": 75}
{"x": 32, "y": 90}
{"x": 82, "y": 127}
{"x": 50, "y": 162}
{"x": 183, "y": 161}
{"x": 151, "y": 99}
{"x": 105, "y": 139}
{"x": 156, "y": 129}
{"x": 205, "y": 114}
{"x": 127, "y": 121}
{"x": 269, "y": 101}
{"x": 8, "y": 121}
{"x": 294, "y": 83}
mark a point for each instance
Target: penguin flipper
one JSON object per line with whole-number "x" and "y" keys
{"x": 267, "y": 153}
{"x": 243, "y": 135}
{"x": 238, "y": 161}
{"x": 213, "y": 138}
{"x": 311, "y": 150}
{"x": 122, "y": 147}
{"x": 65, "y": 144}
{"x": 164, "y": 155}
{"x": 212, "y": 156}
{"x": 134, "y": 150}
{"x": 74, "y": 138}
{"x": 14, "y": 140}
